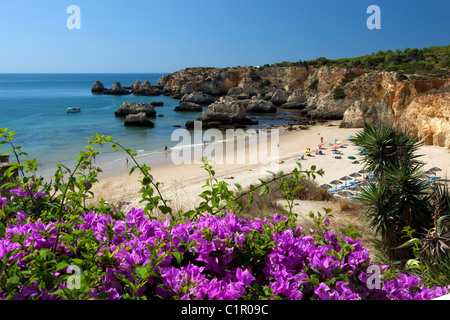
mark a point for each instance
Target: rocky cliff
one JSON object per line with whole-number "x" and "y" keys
{"x": 428, "y": 116}
{"x": 356, "y": 96}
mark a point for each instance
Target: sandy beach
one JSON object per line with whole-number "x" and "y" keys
{"x": 183, "y": 182}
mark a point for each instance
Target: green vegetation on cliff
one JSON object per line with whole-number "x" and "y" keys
{"x": 434, "y": 60}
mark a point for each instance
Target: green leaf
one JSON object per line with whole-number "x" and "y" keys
{"x": 165, "y": 209}
{"x": 2, "y": 230}
{"x": 314, "y": 281}
{"x": 264, "y": 191}
{"x": 78, "y": 262}
{"x": 178, "y": 256}
{"x": 62, "y": 265}
{"x": 141, "y": 272}
{"x": 103, "y": 295}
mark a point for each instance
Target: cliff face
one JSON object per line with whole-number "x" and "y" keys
{"x": 212, "y": 81}
{"x": 428, "y": 116}
{"x": 374, "y": 96}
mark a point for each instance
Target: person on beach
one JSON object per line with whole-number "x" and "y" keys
{"x": 127, "y": 162}
{"x": 165, "y": 148}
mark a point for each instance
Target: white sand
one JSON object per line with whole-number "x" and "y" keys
{"x": 183, "y": 182}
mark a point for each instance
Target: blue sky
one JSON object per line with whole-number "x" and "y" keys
{"x": 165, "y": 36}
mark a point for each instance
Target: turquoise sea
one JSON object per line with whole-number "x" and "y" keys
{"x": 34, "y": 106}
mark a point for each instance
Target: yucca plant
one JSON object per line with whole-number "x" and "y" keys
{"x": 384, "y": 146}
{"x": 436, "y": 241}
{"x": 397, "y": 198}
{"x": 407, "y": 193}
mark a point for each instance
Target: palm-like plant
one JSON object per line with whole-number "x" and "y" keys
{"x": 386, "y": 146}
{"x": 408, "y": 194}
{"x": 398, "y": 198}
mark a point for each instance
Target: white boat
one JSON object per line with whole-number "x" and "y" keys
{"x": 73, "y": 110}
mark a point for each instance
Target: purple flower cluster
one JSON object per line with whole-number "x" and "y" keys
{"x": 223, "y": 258}
{"x": 26, "y": 192}
{"x": 2, "y": 202}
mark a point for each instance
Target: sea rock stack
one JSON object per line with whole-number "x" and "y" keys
{"x": 189, "y": 106}
{"x": 128, "y": 108}
{"x": 136, "y": 85}
{"x": 117, "y": 89}
{"x": 97, "y": 87}
{"x": 138, "y": 120}
{"x": 145, "y": 89}
{"x": 226, "y": 111}
{"x": 198, "y": 98}
{"x": 261, "y": 106}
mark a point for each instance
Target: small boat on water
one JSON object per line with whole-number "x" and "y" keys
{"x": 73, "y": 110}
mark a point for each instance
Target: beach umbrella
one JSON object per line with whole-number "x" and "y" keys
{"x": 356, "y": 188}
{"x": 350, "y": 136}
{"x": 321, "y": 144}
{"x": 363, "y": 171}
{"x": 339, "y": 141}
{"x": 345, "y": 193}
{"x": 326, "y": 186}
{"x": 336, "y": 182}
{"x": 435, "y": 169}
{"x": 354, "y": 175}
{"x": 351, "y": 157}
{"x": 345, "y": 178}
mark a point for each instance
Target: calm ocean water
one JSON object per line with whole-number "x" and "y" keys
{"x": 33, "y": 105}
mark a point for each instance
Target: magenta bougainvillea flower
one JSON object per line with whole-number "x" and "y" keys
{"x": 218, "y": 257}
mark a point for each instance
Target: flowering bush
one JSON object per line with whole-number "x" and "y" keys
{"x": 52, "y": 246}
{"x": 218, "y": 257}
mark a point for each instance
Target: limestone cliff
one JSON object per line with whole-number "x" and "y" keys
{"x": 428, "y": 116}
{"x": 357, "y": 96}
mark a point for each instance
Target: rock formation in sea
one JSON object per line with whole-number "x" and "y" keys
{"x": 136, "y": 85}
{"x": 138, "y": 120}
{"x": 116, "y": 89}
{"x": 145, "y": 89}
{"x": 258, "y": 105}
{"x": 97, "y": 87}
{"x": 128, "y": 108}
{"x": 225, "y": 111}
{"x": 200, "y": 98}
{"x": 157, "y": 103}
{"x": 189, "y": 106}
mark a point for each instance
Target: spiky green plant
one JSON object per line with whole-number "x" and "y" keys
{"x": 398, "y": 197}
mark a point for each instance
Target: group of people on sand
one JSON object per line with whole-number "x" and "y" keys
{"x": 337, "y": 154}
